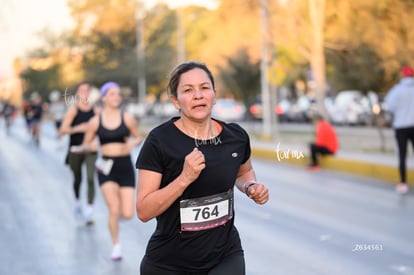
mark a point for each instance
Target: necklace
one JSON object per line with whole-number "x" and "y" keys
{"x": 196, "y": 135}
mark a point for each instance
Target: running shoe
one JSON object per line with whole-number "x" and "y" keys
{"x": 402, "y": 188}
{"x": 116, "y": 254}
{"x": 87, "y": 215}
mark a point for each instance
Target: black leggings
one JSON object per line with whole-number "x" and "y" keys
{"x": 75, "y": 162}
{"x": 318, "y": 150}
{"x": 231, "y": 265}
{"x": 403, "y": 135}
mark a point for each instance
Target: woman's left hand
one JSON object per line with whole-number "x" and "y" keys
{"x": 259, "y": 193}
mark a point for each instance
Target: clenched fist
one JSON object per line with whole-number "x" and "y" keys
{"x": 194, "y": 163}
{"x": 259, "y": 193}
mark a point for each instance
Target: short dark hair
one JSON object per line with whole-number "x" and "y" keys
{"x": 183, "y": 68}
{"x": 83, "y": 82}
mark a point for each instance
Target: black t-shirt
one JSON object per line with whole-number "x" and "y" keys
{"x": 164, "y": 151}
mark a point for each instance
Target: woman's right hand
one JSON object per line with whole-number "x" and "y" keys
{"x": 81, "y": 128}
{"x": 194, "y": 163}
{"x": 77, "y": 149}
{"x": 85, "y": 148}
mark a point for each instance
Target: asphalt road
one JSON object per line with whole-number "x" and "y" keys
{"x": 315, "y": 223}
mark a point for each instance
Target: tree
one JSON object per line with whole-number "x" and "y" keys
{"x": 241, "y": 77}
{"x": 317, "y": 53}
{"x": 234, "y": 25}
{"x": 41, "y": 81}
{"x": 160, "y": 53}
{"x": 357, "y": 69}
{"x": 302, "y": 26}
{"x": 364, "y": 43}
{"x": 369, "y": 38}
{"x": 106, "y": 36}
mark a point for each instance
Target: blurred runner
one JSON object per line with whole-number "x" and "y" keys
{"x": 25, "y": 110}
{"x": 8, "y": 112}
{"x": 400, "y": 102}
{"x": 57, "y": 109}
{"x": 75, "y": 124}
{"x": 35, "y": 113}
{"x": 118, "y": 135}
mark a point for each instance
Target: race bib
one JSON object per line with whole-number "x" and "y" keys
{"x": 104, "y": 165}
{"x": 206, "y": 212}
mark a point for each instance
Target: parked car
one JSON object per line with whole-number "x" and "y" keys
{"x": 351, "y": 108}
{"x": 313, "y": 107}
{"x": 229, "y": 110}
{"x": 164, "y": 109}
{"x": 138, "y": 110}
{"x": 284, "y": 110}
{"x": 299, "y": 111}
{"x": 281, "y": 109}
{"x": 255, "y": 109}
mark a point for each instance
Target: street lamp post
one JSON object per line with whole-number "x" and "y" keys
{"x": 180, "y": 36}
{"x": 265, "y": 92}
{"x": 142, "y": 85}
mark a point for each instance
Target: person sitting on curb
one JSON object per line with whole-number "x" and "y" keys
{"x": 326, "y": 141}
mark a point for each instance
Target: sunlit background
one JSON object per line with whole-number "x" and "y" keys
{"x": 278, "y": 60}
{"x": 275, "y": 63}
{"x": 21, "y": 22}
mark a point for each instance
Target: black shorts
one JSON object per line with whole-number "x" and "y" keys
{"x": 34, "y": 122}
{"x": 122, "y": 172}
{"x": 233, "y": 264}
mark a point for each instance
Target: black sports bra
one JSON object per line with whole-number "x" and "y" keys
{"x": 117, "y": 135}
